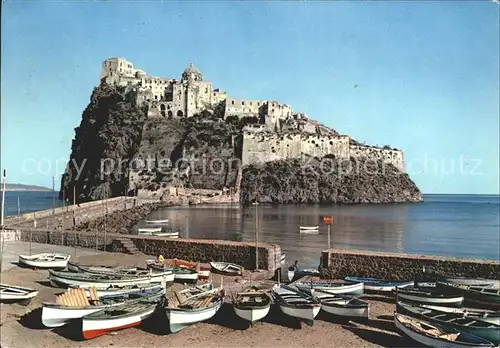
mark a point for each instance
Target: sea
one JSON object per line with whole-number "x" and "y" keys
{"x": 466, "y": 226}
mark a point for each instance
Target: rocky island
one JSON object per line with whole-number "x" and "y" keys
{"x": 171, "y": 140}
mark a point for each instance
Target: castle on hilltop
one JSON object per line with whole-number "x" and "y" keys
{"x": 280, "y": 132}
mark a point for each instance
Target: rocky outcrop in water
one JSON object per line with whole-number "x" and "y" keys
{"x": 326, "y": 180}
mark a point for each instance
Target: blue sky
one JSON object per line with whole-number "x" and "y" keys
{"x": 427, "y": 73}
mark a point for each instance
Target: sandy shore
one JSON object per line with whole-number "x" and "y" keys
{"x": 21, "y": 325}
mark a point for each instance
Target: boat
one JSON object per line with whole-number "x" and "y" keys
{"x": 481, "y": 282}
{"x": 46, "y": 260}
{"x": 418, "y": 296}
{"x": 434, "y": 335}
{"x": 489, "y": 296}
{"x": 14, "y": 293}
{"x": 226, "y": 268}
{"x": 75, "y": 304}
{"x": 117, "y": 318}
{"x": 460, "y": 322}
{"x": 172, "y": 234}
{"x": 252, "y": 304}
{"x": 156, "y": 276}
{"x": 373, "y": 284}
{"x": 203, "y": 271}
{"x": 295, "y": 273}
{"x": 309, "y": 227}
{"x": 148, "y": 230}
{"x": 157, "y": 222}
{"x": 191, "y": 306}
{"x": 296, "y": 303}
{"x": 282, "y": 258}
{"x": 75, "y": 267}
{"x": 67, "y": 278}
{"x": 324, "y": 288}
{"x": 185, "y": 275}
{"x": 484, "y": 315}
{"x": 345, "y": 307}
{"x": 106, "y": 291}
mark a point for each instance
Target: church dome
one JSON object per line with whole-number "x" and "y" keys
{"x": 192, "y": 73}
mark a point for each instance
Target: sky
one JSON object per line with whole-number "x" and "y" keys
{"x": 419, "y": 76}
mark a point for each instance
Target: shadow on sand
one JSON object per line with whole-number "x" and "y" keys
{"x": 381, "y": 298}
{"x": 380, "y": 338}
{"x": 226, "y": 317}
{"x": 47, "y": 284}
{"x": 32, "y": 320}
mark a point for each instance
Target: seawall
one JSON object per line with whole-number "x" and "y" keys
{"x": 394, "y": 266}
{"x": 198, "y": 250}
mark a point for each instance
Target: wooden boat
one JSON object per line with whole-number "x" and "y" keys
{"x": 310, "y": 228}
{"x": 295, "y": 273}
{"x": 74, "y": 304}
{"x": 488, "y": 316}
{"x": 157, "y": 222}
{"x": 324, "y": 288}
{"x": 481, "y": 282}
{"x": 156, "y": 276}
{"x": 203, "y": 271}
{"x": 345, "y": 307}
{"x": 489, "y": 297}
{"x": 46, "y": 260}
{"x": 117, "y": 318}
{"x": 435, "y": 335}
{"x": 418, "y": 296}
{"x": 373, "y": 284}
{"x": 107, "y": 291}
{"x": 488, "y": 331}
{"x": 226, "y": 268}
{"x": 75, "y": 267}
{"x": 252, "y": 304}
{"x": 67, "y": 278}
{"x": 192, "y": 306}
{"x": 296, "y": 303}
{"x": 13, "y": 293}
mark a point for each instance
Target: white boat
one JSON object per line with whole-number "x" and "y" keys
{"x": 417, "y": 296}
{"x": 45, "y": 260}
{"x": 157, "y": 222}
{"x": 12, "y": 293}
{"x": 192, "y": 306}
{"x": 433, "y": 335}
{"x": 118, "y": 318}
{"x": 312, "y": 229}
{"x": 65, "y": 279}
{"x": 296, "y": 303}
{"x": 282, "y": 258}
{"x": 226, "y": 268}
{"x": 483, "y": 315}
{"x": 185, "y": 275}
{"x": 75, "y": 304}
{"x": 252, "y": 304}
{"x": 76, "y": 267}
{"x": 156, "y": 275}
{"x": 107, "y": 291}
{"x": 309, "y": 227}
{"x": 330, "y": 288}
{"x": 149, "y": 230}
{"x": 345, "y": 307}
{"x": 379, "y": 285}
{"x": 173, "y": 234}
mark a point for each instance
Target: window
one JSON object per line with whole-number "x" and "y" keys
{"x": 232, "y": 102}
{"x": 206, "y": 90}
{"x": 214, "y": 94}
{"x": 250, "y": 103}
{"x": 242, "y": 102}
{"x": 258, "y": 103}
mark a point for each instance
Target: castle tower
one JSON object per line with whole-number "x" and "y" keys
{"x": 192, "y": 74}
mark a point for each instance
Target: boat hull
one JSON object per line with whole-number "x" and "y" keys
{"x": 252, "y": 314}
{"x": 54, "y": 316}
{"x": 455, "y": 301}
{"x": 346, "y": 311}
{"x": 94, "y": 327}
{"x": 186, "y": 277}
{"x": 57, "y": 264}
{"x": 59, "y": 281}
{"x": 108, "y": 292}
{"x": 351, "y": 289}
{"x": 306, "y": 313}
{"x": 180, "y": 319}
{"x": 11, "y": 294}
{"x": 430, "y": 341}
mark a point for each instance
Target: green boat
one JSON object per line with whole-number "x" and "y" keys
{"x": 485, "y": 296}
{"x": 458, "y": 321}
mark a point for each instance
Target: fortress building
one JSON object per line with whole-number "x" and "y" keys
{"x": 280, "y": 133}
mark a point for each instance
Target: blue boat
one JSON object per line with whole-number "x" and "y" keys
{"x": 373, "y": 284}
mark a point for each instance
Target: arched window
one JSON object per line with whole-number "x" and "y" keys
{"x": 170, "y": 114}
{"x": 180, "y": 113}
{"x": 162, "y": 107}
{"x": 163, "y": 113}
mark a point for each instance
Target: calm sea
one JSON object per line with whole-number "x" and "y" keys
{"x": 449, "y": 225}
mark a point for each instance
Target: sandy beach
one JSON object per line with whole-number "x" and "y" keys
{"x": 21, "y": 325}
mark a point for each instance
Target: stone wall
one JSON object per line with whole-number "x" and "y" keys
{"x": 395, "y": 157}
{"x": 67, "y": 238}
{"x": 393, "y": 266}
{"x": 260, "y": 147}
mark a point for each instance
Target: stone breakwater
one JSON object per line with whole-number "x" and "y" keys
{"x": 394, "y": 266}
{"x": 197, "y": 250}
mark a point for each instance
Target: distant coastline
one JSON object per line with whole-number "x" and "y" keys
{"x": 22, "y": 187}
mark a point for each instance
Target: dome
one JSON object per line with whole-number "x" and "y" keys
{"x": 192, "y": 73}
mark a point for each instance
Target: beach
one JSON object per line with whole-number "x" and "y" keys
{"x": 21, "y": 325}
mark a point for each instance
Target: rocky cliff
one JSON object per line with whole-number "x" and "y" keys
{"x": 116, "y": 138}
